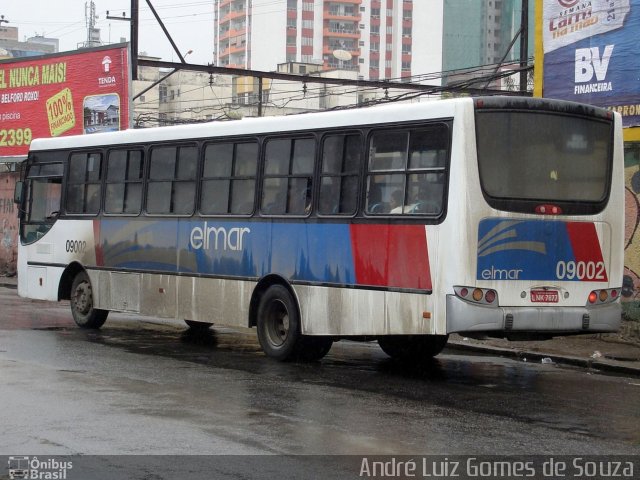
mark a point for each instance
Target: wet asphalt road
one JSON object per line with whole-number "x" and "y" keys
{"x": 141, "y": 386}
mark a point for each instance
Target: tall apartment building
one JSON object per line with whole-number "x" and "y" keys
{"x": 479, "y": 32}
{"x": 375, "y": 38}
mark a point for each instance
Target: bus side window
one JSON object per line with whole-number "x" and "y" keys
{"x": 171, "y": 184}
{"x": 341, "y": 160}
{"x": 288, "y": 176}
{"x": 84, "y": 183}
{"x": 406, "y": 170}
{"x": 123, "y": 194}
{"x": 229, "y": 178}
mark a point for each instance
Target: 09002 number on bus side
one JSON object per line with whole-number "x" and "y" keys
{"x": 581, "y": 271}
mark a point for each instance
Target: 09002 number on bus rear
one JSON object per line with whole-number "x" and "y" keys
{"x": 581, "y": 271}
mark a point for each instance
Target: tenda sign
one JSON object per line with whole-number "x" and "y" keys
{"x": 72, "y": 93}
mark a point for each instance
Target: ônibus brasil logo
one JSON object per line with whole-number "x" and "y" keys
{"x": 36, "y": 469}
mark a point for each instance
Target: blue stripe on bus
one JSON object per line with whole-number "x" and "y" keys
{"x": 309, "y": 252}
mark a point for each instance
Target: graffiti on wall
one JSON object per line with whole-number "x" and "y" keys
{"x": 8, "y": 225}
{"x": 631, "y": 280}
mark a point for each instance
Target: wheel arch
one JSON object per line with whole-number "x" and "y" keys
{"x": 66, "y": 280}
{"x": 262, "y": 286}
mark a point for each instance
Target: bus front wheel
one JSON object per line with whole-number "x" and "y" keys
{"x": 82, "y": 309}
{"x": 412, "y": 347}
{"x": 279, "y": 329}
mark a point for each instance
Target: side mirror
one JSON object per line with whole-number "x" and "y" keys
{"x": 17, "y": 193}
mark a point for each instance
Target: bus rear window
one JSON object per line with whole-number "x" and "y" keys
{"x": 532, "y": 158}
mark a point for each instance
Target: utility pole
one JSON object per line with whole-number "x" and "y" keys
{"x": 133, "y": 35}
{"x": 524, "y": 44}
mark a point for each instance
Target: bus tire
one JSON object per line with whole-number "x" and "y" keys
{"x": 279, "y": 329}
{"x": 278, "y": 324}
{"x": 314, "y": 348}
{"x": 412, "y": 347}
{"x": 198, "y": 326}
{"x": 82, "y": 309}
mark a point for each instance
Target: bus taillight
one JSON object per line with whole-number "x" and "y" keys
{"x": 548, "y": 209}
{"x": 490, "y": 296}
{"x": 485, "y": 296}
{"x": 603, "y": 296}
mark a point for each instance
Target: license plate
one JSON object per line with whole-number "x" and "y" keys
{"x": 545, "y": 296}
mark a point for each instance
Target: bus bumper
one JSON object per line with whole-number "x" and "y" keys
{"x": 463, "y": 316}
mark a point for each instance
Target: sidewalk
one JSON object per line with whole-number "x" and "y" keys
{"x": 611, "y": 352}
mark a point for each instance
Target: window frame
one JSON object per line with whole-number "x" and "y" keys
{"x": 312, "y": 175}
{"x": 320, "y": 175}
{"x": 256, "y": 176}
{"x": 148, "y": 181}
{"x": 142, "y": 181}
{"x": 68, "y": 183}
{"x": 406, "y": 171}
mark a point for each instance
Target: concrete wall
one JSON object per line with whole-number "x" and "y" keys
{"x": 8, "y": 225}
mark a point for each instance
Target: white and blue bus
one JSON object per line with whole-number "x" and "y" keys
{"x": 500, "y": 216}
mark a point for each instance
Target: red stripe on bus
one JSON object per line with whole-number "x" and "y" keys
{"x": 391, "y": 256}
{"x": 585, "y": 245}
{"x": 98, "y": 244}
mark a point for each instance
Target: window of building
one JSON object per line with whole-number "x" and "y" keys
{"x": 341, "y": 160}
{"x": 407, "y": 171}
{"x": 84, "y": 187}
{"x": 123, "y": 189}
{"x": 162, "y": 93}
{"x": 288, "y": 173}
{"x": 171, "y": 185}
{"x": 229, "y": 178}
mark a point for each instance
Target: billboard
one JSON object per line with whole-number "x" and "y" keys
{"x": 590, "y": 54}
{"x": 71, "y": 93}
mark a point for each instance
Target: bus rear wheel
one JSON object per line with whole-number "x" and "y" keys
{"x": 279, "y": 329}
{"x": 82, "y": 309}
{"x": 412, "y": 347}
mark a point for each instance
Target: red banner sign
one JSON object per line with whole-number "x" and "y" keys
{"x": 63, "y": 94}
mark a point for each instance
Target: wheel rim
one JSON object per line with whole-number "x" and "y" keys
{"x": 277, "y": 323}
{"x": 82, "y": 299}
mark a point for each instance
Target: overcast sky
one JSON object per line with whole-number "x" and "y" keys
{"x": 190, "y": 23}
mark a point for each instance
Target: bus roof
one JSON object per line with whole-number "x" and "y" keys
{"x": 248, "y": 126}
{"x": 397, "y": 112}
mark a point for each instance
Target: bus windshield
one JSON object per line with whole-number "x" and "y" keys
{"x": 44, "y": 186}
{"x": 532, "y": 158}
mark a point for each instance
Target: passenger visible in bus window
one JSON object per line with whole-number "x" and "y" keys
{"x": 374, "y": 198}
{"x": 396, "y": 202}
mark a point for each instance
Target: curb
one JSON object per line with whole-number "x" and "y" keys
{"x": 8, "y": 285}
{"x": 588, "y": 363}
